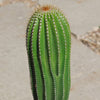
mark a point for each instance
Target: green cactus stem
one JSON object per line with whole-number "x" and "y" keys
{"x": 48, "y": 43}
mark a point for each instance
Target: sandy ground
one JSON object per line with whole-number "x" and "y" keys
{"x": 14, "y": 72}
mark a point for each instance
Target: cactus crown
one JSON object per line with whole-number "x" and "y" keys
{"x": 48, "y": 48}
{"x": 45, "y": 8}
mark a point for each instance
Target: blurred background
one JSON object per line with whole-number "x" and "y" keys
{"x": 84, "y": 19}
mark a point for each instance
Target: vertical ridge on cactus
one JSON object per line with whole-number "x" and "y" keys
{"x": 48, "y": 47}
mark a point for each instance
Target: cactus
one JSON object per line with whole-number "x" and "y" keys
{"x": 48, "y": 48}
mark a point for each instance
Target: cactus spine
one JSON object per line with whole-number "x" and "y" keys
{"x": 48, "y": 48}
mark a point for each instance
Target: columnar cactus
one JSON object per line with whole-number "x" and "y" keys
{"x": 48, "y": 47}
